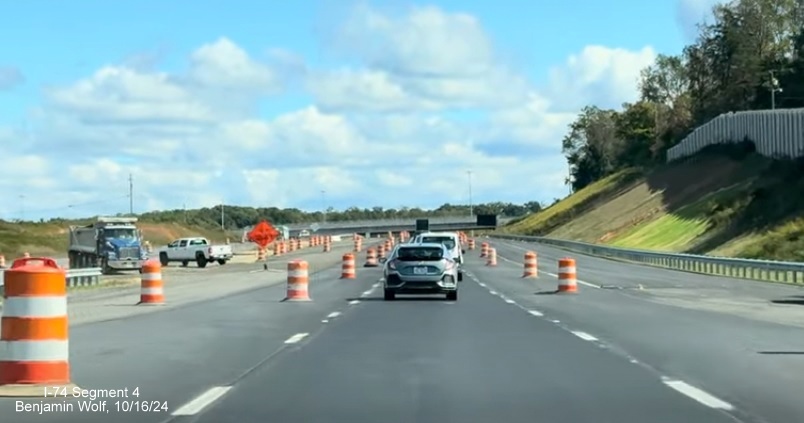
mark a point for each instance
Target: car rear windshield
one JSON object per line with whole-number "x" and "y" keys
{"x": 419, "y": 254}
{"x": 443, "y": 240}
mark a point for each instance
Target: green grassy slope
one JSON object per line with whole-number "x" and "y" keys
{"x": 725, "y": 201}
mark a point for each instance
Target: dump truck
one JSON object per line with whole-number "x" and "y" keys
{"x": 111, "y": 243}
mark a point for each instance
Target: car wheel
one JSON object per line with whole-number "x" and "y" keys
{"x": 460, "y": 276}
{"x": 389, "y": 295}
{"x": 452, "y": 296}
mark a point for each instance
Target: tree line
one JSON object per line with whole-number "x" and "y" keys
{"x": 750, "y": 56}
{"x": 236, "y": 217}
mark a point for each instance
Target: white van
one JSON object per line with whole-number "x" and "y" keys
{"x": 451, "y": 240}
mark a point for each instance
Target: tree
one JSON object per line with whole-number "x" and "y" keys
{"x": 728, "y": 68}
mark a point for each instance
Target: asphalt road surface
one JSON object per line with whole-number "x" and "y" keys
{"x": 505, "y": 351}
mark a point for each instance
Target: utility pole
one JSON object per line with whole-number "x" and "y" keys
{"x": 130, "y": 194}
{"x": 324, "y": 202}
{"x": 471, "y": 205}
{"x": 223, "y": 216}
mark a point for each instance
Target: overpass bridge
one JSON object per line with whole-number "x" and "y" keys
{"x": 376, "y": 226}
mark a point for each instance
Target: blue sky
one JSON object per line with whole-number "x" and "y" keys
{"x": 250, "y": 103}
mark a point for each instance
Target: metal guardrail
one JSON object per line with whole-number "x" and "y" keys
{"x": 767, "y": 270}
{"x": 75, "y": 277}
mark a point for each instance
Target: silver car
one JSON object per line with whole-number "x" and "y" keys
{"x": 420, "y": 269}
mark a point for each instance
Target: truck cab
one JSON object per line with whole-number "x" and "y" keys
{"x": 111, "y": 243}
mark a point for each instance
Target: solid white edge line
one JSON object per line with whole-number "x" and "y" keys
{"x": 296, "y": 338}
{"x": 202, "y": 401}
{"x": 536, "y": 313}
{"x": 333, "y": 315}
{"x": 699, "y": 395}
{"x": 583, "y": 335}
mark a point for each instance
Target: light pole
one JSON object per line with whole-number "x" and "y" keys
{"x": 471, "y": 206}
{"x": 774, "y": 88}
{"x": 324, "y": 203}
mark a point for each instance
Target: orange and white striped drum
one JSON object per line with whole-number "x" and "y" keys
{"x": 34, "y": 345}
{"x": 471, "y": 244}
{"x": 371, "y": 258}
{"x": 348, "y": 270}
{"x": 152, "y": 289}
{"x": 298, "y": 281}
{"x": 491, "y": 259}
{"x": 567, "y": 276}
{"x": 531, "y": 265}
{"x": 484, "y": 249}
{"x": 381, "y": 251}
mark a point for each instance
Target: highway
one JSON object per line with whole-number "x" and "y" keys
{"x": 684, "y": 348}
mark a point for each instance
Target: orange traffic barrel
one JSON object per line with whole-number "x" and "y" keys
{"x": 567, "y": 276}
{"x": 484, "y": 249}
{"x": 492, "y": 257}
{"x": 34, "y": 344}
{"x": 152, "y": 289}
{"x": 531, "y": 265}
{"x": 298, "y": 281}
{"x": 348, "y": 270}
{"x": 472, "y": 244}
{"x": 371, "y": 258}
{"x": 381, "y": 251}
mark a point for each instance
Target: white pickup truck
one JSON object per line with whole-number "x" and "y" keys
{"x": 199, "y": 250}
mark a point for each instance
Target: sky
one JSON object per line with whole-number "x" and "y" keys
{"x": 313, "y": 104}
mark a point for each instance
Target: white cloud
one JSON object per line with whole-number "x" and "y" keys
{"x": 195, "y": 138}
{"x": 425, "y": 59}
{"x": 599, "y": 75}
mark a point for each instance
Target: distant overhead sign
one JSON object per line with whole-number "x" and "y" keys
{"x": 315, "y": 227}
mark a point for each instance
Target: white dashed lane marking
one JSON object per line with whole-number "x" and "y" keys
{"x": 583, "y": 335}
{"x": 296, "y": 338}
{"x": 699, "y": 395}
{"x": 333, "y": 315}
{"x": 679, "y": 386}
{"x": 202, "y": 401}
{"x": 353, "y": 302}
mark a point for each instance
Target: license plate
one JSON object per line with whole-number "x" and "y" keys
{"x": 419, "y": 270}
